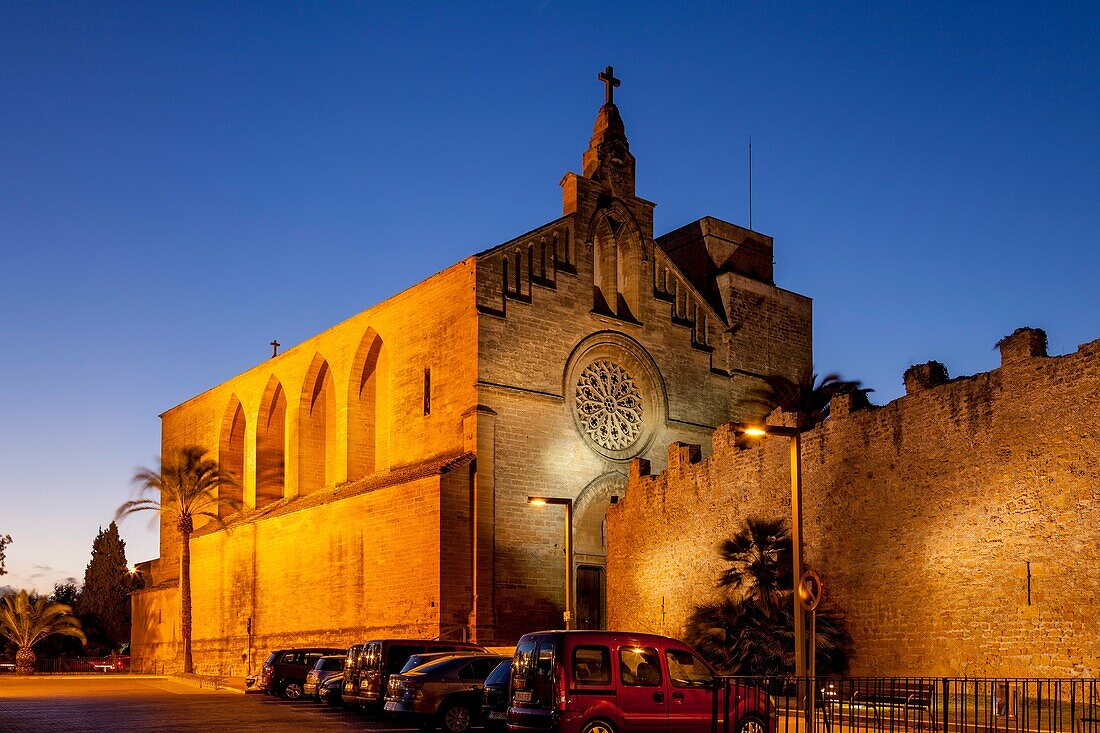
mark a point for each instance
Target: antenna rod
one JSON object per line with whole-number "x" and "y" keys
{"x": 750, "y": 183}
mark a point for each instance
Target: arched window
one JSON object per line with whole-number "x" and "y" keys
{"x": 317, "y": 429}
{"x": 368, "y": 408}
{"x": 231, "y": 452}
{"x": 271, "y": 445}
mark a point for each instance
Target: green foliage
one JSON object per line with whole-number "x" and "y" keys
{"x": 5, "y": 540}
{"x": 65, "y": 646}
{"x": 26, "y": 620}
{"x": 66, "y": 593}
{"x": 185, "y": 489}
{"x": 807, "y": 398}
{"x": 104, "y": 602}
{"x": 744, "y": 637}
{"x": 760, "y": 560}
{"x": 752, "y": 633}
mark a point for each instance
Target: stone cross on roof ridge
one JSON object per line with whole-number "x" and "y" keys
{"x": 607, "y": 76}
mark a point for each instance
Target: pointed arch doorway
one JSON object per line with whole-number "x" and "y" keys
{"x": 590, "y": 548}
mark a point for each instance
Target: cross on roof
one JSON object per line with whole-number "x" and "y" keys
{"x": 274, "y": 347}
{"x": 607, "y": 76}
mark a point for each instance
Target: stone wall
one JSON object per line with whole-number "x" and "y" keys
{"x": 925, "y": 517}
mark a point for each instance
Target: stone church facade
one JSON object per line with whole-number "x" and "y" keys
{"x": 386, "y": 462}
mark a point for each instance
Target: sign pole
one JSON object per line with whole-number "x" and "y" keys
{"x": 810, "y": 591}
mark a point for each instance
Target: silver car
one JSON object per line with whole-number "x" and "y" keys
{"x": 324, "y": 668}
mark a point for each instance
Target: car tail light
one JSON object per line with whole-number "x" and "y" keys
{"x": 559, "y": 688}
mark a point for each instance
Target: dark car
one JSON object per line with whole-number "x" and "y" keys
{"x": 444, "y": 693}
{"x": 284, "y": 672}
{"x": 365, "y": 681}
{"x": 580, "y": 681}
{"x": 494, "y": 705}
{"x": 324, "y": 668}
{"x": 418, "y": 659}
{"x": 331, "y": 690}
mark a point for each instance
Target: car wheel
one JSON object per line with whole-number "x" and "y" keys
{"x": 599, "y": 726}
{"x": 752, "y": 723}
{"x": 456, "y": 718}
{"x": 292, "y": 690}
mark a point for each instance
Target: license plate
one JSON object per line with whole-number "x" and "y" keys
{"x": 496, "y": 715}
{"x": 390, "y": 707}
{"x": 523, "y": 696}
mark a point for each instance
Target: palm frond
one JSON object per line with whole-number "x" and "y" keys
{"x": 187, "y": 487}
{"x": 26, "y": 620}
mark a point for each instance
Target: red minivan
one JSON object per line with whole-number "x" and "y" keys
{"x": 622, "y": 682}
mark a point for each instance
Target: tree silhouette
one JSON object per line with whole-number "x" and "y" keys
{"x": 104, "y": 602}
{"x": 5, "y": 540}
{"x": 806, "y": 398}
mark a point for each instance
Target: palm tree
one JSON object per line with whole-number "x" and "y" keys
{"x": 752, "y": 633}
{"x": 760, "y": 560}
{"x": 806, "y": 397}
{"x": 187, "y": 486}
{"x": 27, "y": 620}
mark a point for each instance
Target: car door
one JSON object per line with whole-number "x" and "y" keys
{"x": 642, "y": 693}
{"x": 691, "y": 687}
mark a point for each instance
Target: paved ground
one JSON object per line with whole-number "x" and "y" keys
{"x": 142, "y": 704}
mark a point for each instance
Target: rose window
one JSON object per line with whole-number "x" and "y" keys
{"x": 609, "y": 405}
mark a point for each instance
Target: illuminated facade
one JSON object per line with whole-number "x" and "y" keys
{"x": 386, "y": 462}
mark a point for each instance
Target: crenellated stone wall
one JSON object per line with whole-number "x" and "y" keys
{"x": 958, "y": 526}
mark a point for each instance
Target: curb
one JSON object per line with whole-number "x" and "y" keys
{"x": 205, "y": 682}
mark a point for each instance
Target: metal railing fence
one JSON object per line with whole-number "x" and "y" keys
{"x": 917, "y": 704}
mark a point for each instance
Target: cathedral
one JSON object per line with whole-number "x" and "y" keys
{"x": 386, "y": 463}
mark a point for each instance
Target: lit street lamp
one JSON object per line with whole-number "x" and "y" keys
{"x": 801, "y": 653}
{"x": 568, "y": 504}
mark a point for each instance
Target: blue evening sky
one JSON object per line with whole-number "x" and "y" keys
{"x": 182, "y": 182}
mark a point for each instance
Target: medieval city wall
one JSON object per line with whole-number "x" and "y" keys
{"x": 930, "y": 519}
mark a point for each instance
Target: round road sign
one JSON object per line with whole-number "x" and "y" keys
{"x": 810, "y": 590}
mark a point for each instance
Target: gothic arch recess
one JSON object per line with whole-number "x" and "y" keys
{"x": 317, "y": 429}
{"x": 271, "y": 445}
{"x": 590, "y": 548}
{"x": 368, "y": 408}
{"x": 231, "y": 453}
{"x": 617, "y": 263}
{"x": 589, "y": 510}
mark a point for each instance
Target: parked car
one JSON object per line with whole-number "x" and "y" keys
{"x": 444, "y": 693}
{"x": 284, "y": 672}
{"x": 494, "y": 704}
{"x": 324, "y": 668}
{"x": 365, "y": 681}
{"x": 603, "y": 681}
{"x": 331, "y": 690}
{"x": 418, "y": 659}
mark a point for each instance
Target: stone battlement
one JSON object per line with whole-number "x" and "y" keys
{"x": 954, "y": 525}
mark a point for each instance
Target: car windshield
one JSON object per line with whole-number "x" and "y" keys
{"x": 499, "y": 676}
{"x": 438, "y": 666}
{"x": 271, "y": 658}
{"x": 416, "y": 660}
{"x": 327, "y": 665}
{"x": 523, "y": 664}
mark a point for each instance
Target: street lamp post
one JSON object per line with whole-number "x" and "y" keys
{"x": 801, "y": 653}
{"x": 568, "y": 504}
